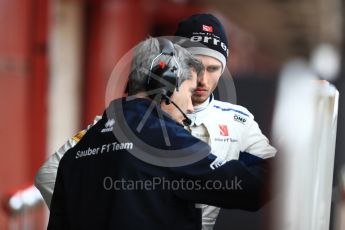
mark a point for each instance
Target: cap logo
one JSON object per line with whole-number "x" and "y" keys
{"x": 207, "y": 28}
{"x": 210, "y": 40}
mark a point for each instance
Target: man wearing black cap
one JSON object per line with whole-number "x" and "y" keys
{"x": 229, "y": 129}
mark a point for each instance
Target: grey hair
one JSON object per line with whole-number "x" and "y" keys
{"x": 144, "y": 54}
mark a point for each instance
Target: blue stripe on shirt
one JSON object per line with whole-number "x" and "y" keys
{"x": 230, "y": 109}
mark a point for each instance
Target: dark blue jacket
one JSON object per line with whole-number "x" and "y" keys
{"x": 102, "y": 183}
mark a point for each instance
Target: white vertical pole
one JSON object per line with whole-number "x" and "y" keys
{"x": 65, "y": 58}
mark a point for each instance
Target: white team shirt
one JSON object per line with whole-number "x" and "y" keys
{"x": 229, "y": 129}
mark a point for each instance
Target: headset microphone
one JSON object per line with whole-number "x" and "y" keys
{"x": 186, "y": 121}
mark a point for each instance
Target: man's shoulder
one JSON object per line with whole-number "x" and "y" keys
{"x": 224, "y": 107}
{"x": 89, "y": 138}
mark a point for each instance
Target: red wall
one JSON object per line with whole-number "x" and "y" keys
{"x": 23, "y": 74}
{"x": 113, "y": 28}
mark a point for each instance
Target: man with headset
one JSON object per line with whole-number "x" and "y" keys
{"x": 113, "y": 179}
{"x": 229, "y": 129}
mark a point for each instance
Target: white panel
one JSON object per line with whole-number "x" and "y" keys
{"x": 304, "y": 131}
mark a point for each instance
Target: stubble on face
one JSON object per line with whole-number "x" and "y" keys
{"x": 208, "y": 81}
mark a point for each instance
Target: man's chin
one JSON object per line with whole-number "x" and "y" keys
{"x": 199, "y": 99}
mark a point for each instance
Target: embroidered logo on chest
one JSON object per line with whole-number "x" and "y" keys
{"x": 223, "y": 129}
{"x": 108, "y": 126}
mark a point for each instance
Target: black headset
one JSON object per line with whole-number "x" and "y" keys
{"x": 164, "y": 76}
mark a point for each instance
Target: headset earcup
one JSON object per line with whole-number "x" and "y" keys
{"x": 163, "y": 77}
{"x": 163, "y": 80}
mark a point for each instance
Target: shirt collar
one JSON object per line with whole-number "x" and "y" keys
{"x": 204, "y": 105}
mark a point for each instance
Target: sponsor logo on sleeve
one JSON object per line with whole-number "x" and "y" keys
{"x": 219, "y": 161}
{"x": 239, "y": 119}
{"x": 79, "y": 136}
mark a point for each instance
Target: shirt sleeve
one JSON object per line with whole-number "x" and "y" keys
{"x": 255, "y": 142}
{"x": 232, "y": 185}
{"x": 46, "y": 175}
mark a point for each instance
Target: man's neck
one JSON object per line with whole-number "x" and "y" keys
{"x": 202, "y": 106}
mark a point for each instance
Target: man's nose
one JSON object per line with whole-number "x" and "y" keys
{"x": 202, "y": 78}
{"x": 190, "y": 108}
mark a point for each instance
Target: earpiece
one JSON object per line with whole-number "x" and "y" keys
{"x": 163, "y": 75}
